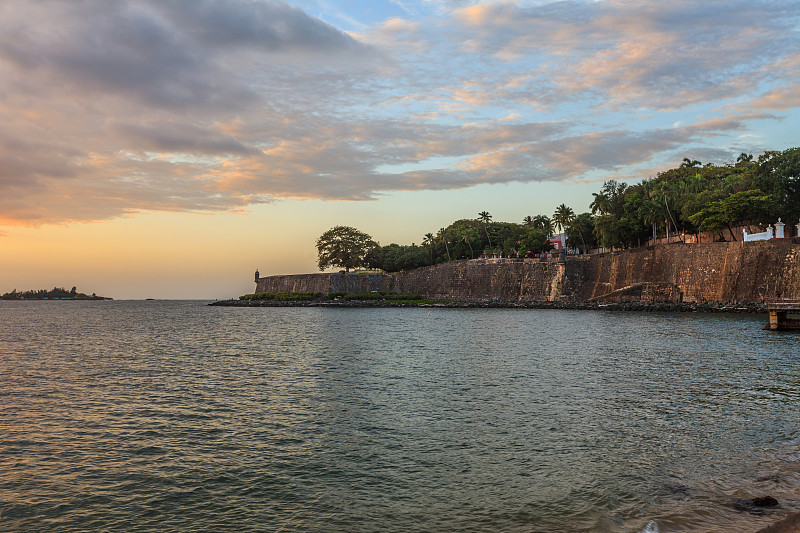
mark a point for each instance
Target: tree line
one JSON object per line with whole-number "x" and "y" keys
{"x": 57, "y": 293}
{"x": 347, "y": 247}
{"x": 687, "y": 200}
{"x": 695, "y": 198}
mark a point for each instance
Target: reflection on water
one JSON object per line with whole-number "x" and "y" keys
{"x": 153, "y": 416}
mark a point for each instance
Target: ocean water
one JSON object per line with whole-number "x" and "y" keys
{"x": 175, "y": 416}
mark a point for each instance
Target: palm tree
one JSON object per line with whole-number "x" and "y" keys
{"x": 575, "y": 225}
{"x": 651, "y": 213}
{"x": 444, "y": 238}
{"x": 694, "y": 184}
{"x": 690, "y": 163}
{"x": 467, "y": 237}
{"x": 428, "y": 241}
{"x": 543, "y": 224}
{"x": 601, "y": 203}
{"x": 485, "y": 217}
{"x": 528, "y": 220}
{"x": 562, "y": 217}
{"x": 664, "y": 189}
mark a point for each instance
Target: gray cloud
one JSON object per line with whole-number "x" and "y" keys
{"x": 112, "y": 108}
{"x": 177, "y": 137}
{"x": 266, "y": 25}
{"x": 656, "y": 55}
{"x": 172, "y": 54}
{"x": 111, "y": 48}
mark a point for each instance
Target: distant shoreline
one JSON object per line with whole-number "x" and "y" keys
{"x": 56, "y": 293}
{"x": 89, "y": 299}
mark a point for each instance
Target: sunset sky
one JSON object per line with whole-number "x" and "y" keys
{"x": 168, "y": 148}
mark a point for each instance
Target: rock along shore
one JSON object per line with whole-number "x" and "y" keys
{"x": 687, "y": 307}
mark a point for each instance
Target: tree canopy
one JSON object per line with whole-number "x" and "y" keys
{"x": 57, "y": 293}
{"x": 464, "y": 239}
{"x": 688, "y": 199}
{"x": 344, "y": 247}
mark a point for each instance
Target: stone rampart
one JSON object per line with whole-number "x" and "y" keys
{"x": 476, "y": 281}
{"x": 325, "y": 283}
{"x": 717, "y": 272}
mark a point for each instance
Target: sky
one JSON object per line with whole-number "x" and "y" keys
{"x": 169, "y": 148}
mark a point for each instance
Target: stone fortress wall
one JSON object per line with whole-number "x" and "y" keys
{"x": 730, "y": 272}
{"x": 735, "y": 272}
{"x": 326, "y": 283}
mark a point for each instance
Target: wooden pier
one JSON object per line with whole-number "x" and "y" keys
{"x": 779, "y": 310}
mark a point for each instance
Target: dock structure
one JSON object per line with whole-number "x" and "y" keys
{"x": 779, "y": 310}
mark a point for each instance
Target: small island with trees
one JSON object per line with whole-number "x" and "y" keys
{"x": 56, "y": 293}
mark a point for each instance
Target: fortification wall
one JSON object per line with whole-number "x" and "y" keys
{"x": 717, "y": 272}
{"x": 325, "y": 283}
{"x": 473, "y": 281}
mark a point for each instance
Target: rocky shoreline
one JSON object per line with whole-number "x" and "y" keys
{"x": 685, "y": 307}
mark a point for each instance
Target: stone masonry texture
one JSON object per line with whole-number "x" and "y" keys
{"x": 717, "y": 272}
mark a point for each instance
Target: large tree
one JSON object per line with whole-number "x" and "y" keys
{"x": 467, "y": 236}
{"x": 345, "y": 247}
{"x": 744, "y": 207}
{"x": 580, "y": 233}
{"x": 779, "y": 176}
{"x": 396, "y": 257}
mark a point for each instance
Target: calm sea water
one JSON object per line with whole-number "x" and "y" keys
{"x": 175, "y": 416}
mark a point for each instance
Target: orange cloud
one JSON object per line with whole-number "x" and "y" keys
{"x": 190, "y": 110}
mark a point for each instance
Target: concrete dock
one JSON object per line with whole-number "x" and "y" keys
{"x": 779, "y": 310}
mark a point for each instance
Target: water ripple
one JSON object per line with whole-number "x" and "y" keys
{"x": 174, "y": 416}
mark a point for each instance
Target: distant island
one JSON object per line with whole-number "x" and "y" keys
{"x": 57, "y": 293}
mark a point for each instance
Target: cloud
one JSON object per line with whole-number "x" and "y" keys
{"x": 115, "y": 108}
{"x": 244, "y": 24}
{"x": 718, "y": 125}
{"x": 658, "y": 55}
{"x": 171, "y": 54}
{"x": 170, "y": 137}
{"x": 778, "y": 98}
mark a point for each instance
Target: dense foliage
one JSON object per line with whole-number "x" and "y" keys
{"x": 345, "y": 247}
{"x": 57, "y": 293}
{"x": 693, "y": 198}
{"x": 463, "y": 239}
{"x": 689, "y": 199}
